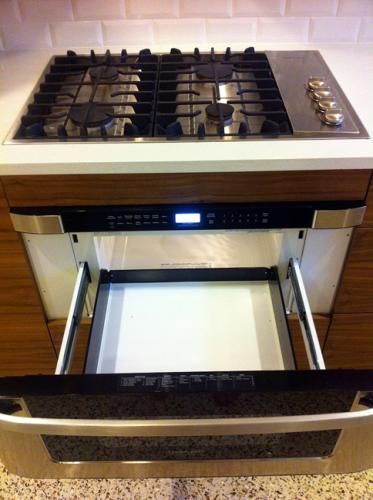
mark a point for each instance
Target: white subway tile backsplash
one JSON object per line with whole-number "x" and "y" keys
{"x": 128, "y": 32}
{"x": 355, "y": 8}
{"x": 81, "y": 33}
{"x": 177, "y": 31}
{"x": 26, "y": 36}
{"x": 258, "y": 8}
{"x": 231, "y": 30}
{"x": 366, "y": 30}
{"x": 98, "y": 9}
{"x": 45, "y": 10}
{"x": 285, "y": 29}
{"x": 311, "y": 8}
{"x": 43, "y": 23}
{"x": 153, "y": 9}
{"x": 9, "y": 12}
{"x": 198, "y": 8}
{"x": 334, "y": 29}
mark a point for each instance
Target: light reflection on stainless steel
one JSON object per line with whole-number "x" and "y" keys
{"x": 124, "y": 83}
{"x": 228, "y": 92}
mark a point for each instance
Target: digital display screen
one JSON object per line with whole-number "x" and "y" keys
{"x": 187, "y": 218}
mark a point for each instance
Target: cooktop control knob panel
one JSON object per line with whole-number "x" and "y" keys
{"x": 326, "y": 105}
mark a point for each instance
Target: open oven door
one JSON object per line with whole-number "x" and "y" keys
{"x": 188, "y": 372}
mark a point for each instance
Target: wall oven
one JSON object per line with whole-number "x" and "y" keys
{"x": 188, "y": 368}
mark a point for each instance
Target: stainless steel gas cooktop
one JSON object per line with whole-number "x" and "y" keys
{"x": 187, "y": 96}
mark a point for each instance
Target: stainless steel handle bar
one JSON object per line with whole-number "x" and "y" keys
{"x": 186, "y": 427}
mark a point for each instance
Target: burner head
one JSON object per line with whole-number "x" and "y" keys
{"x": 92, "y": 115}
{"x": 104, "y": 73}
{"x": 207, "y": 71}
{"x": 216, "y": 111}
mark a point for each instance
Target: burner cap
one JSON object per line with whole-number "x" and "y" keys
{"x": 91, "y": 115}
{"x": 206, "y": 72}
{"x": 215, "y": 110}
{"x": 106, "y": 73}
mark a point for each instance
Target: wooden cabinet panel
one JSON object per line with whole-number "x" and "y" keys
{"x": 349, "y": 343}
{"x": 321, "y": 324}
{"x": 183, "y": 188}
{"x": 57, "y": 327}
{"x": 25, "y": 344}
{"x": 355, "y": 292}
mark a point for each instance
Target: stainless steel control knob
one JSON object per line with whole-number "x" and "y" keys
{"x": 332, "y": 117}
{"x": 316, "y": 83}
{"x": 325, "y": 93}
{"x": 327, "y": 104}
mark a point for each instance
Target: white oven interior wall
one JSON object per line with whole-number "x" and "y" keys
{"x": 220, "y": 326}
{"x": 57, "y": 24}
{"x": 55, "y": 258}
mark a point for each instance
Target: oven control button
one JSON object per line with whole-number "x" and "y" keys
{"x": 137, "y": 217}
{"x": 155, "y": 216}
{"x": 225, "y": 383}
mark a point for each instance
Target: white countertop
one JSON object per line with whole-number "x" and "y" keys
{"x": 352, "y": 65}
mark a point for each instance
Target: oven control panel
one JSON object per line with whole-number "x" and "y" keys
{"x": 203, "y": 217}
{"x": 191, "y": 219}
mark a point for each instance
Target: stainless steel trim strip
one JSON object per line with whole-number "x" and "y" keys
{"x": 338, "y": 219}
{"x": 37, "y": 224}
{"x": 73, "y": 320}
{"x": 311, "y": 340}
{"x": 186, "y": 427}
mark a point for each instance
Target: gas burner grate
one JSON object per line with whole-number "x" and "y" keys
{"x": 175, "y": 95}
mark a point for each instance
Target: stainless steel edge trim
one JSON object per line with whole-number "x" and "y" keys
{"x": 186, "y": 427}
{"x": 73, "y": 320}
{"x": 37, "y": 224}
{"x": 311, "y": 340}
{"x": 338, "y": 219}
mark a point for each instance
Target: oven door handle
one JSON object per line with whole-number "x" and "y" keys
{"x": 186, "y": 427}
{"x": 307, "y": 325}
